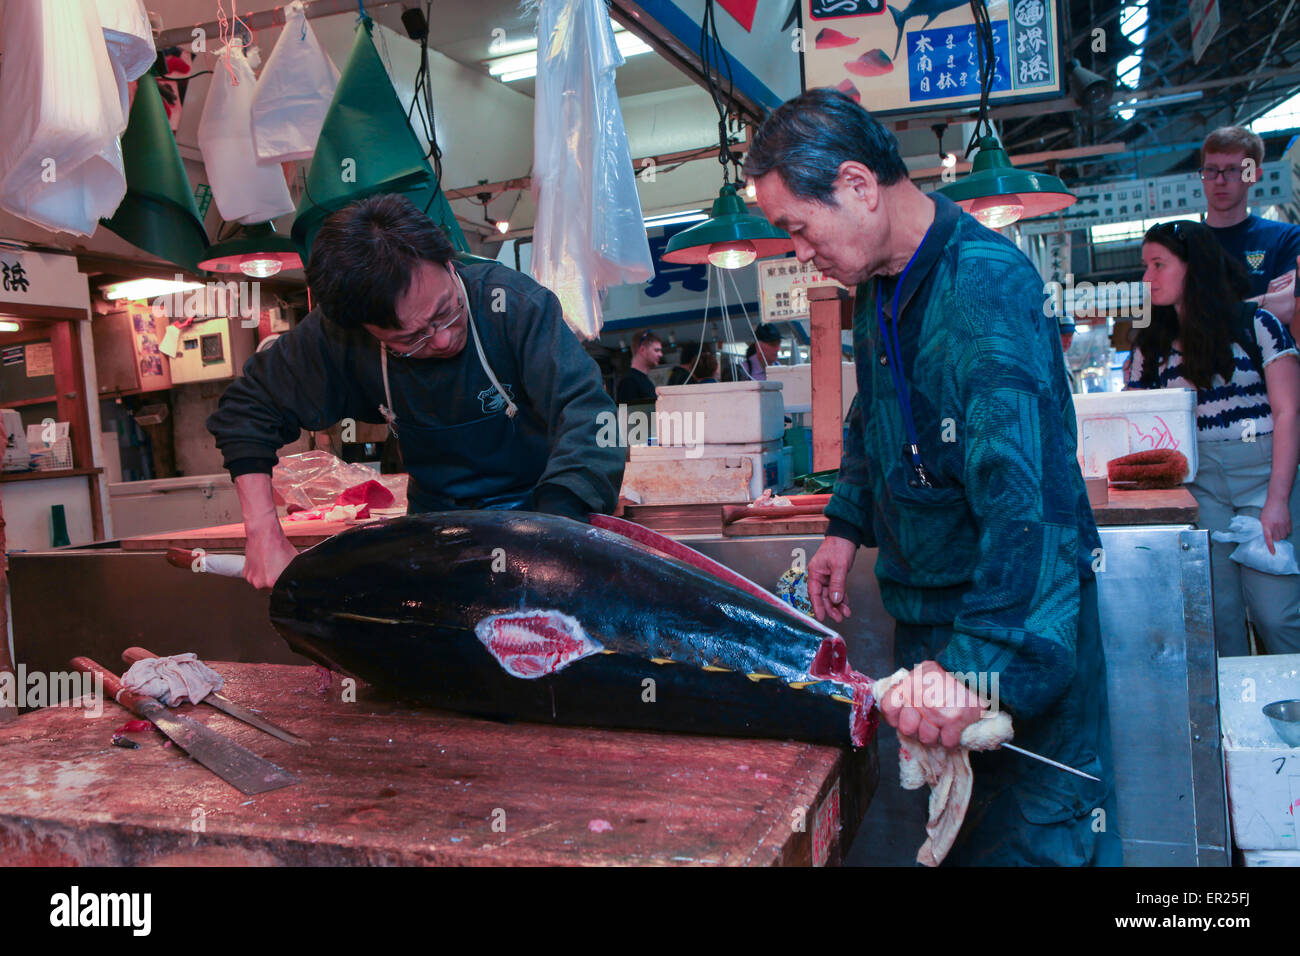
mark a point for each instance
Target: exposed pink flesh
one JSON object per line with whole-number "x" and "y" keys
{"x": 531, "y": 644}
{"x": 828, "y": 39}
{"x": 832, "y": 663}
{"x": 873, "y": 63}
{"x": 848, "y": 89}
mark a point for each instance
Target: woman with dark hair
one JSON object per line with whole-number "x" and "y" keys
{"x": 1242, "y": 363}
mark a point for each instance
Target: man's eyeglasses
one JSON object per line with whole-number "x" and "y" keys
{"x": 1210, "y": 173}
{"x": 407, "y": 350}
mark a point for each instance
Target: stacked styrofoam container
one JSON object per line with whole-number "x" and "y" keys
{"x": 721, "y": 423}
{"x": 1263, "y": 771}
{"x": 1114, "y": 424}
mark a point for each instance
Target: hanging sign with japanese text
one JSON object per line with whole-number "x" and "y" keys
{"x": 922, "y": 54}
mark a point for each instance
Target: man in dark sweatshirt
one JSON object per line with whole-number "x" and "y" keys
{"x": 491, "y": 398}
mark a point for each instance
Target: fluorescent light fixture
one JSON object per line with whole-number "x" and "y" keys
{"x": 674, "y": 218}
{"x": 137, "y": 289}
{"x": 523, "y": 66}
{"x": 7, "y": 325}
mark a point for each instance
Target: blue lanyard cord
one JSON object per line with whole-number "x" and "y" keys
{"x": 894, "y": 352}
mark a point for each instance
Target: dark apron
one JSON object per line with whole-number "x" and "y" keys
{"x": 1022, "y": 812}
{"x": 481, "y": 464}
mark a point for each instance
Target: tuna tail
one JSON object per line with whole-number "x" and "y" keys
{"x": 900, "y": 18}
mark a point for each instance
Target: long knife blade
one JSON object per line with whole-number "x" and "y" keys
{"x": 241, "y": 768}
{"x": 1051, "y": 763}
{"x": 223, "y": 703}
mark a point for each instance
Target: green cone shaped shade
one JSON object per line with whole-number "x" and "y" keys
{"x": 367, "y": 148}
{"x": 253, "y": 251}
{"x": 993, "y": 188}
{"x": 158, "y": 213}
{"x": 730, "y": 224}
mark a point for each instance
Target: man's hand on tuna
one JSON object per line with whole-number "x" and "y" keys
{"x": 827, "y": 572}
{"x": 268, "y": 553}
{"x": 931, "y": 706}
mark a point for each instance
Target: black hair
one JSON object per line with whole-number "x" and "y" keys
{"x": 690, "y": 351}
{"x": 1211, "y": 299}
{"x": 364, "y": 255}
{"x": 807, "y": 138}
{"x": 644, "y": 337}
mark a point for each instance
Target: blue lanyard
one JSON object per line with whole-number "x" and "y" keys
{"x": 894, "y": 352}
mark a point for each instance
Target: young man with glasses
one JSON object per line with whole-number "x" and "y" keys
{"x": 491, "y": 399}
{"x": 1231, "y": 162}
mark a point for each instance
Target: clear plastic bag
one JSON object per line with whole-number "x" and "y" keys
{"x": 62, "y": 114}
{"x": 581, "y": 161}
{"x": 293, "y": 92}
{"x": 311, "y": 479}
{"x": 130, "y": 42}
{"x": 1253, "y": 552}
{"x": 243, "y": 190}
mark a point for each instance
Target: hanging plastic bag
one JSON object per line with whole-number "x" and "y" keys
{"x": 130, "y": 42}
{"x": 581, "y": 161}
{"x": 293, "y": 92}
{"x": 60, "y": 160}
{"x": 1253, "y": 552}
{"x": 243, "y": 190}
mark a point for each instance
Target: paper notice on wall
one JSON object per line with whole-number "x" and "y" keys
{"x": 40, "y": 359}
{"x": 46, "y": 433}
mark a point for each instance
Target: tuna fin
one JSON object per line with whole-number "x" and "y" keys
{"x": 758, "y": 677}
{"x": 899, "y": 20}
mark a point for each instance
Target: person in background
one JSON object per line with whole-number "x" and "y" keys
{"x": 1231, "y": 162}
{"x": 706, "y": 372}
{"x": 761, "y": 353}
{"x": 636, "y": 388}
{"x": 1242, "y": 363}
{"x": 1067, "y": 339}
{"x": 969, "y": 487}
{"x": 681, "y": 372}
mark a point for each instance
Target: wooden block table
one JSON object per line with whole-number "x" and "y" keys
{"x": 383, "y": 783}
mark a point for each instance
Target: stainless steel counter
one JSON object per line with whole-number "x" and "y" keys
{"x": 1155, "y": 617}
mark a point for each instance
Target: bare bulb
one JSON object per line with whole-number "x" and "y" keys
{"x": 259, "y": 268}
{"x": 998, "y": 211}
{"x": 750, "y": 191}
{"x": 503, "y": 226}
{"x": 732, "y": 255}
{"x": 949, "y": 160}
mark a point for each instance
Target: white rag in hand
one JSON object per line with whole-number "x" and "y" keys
{"x": 173, "y": 680}
{"x": 947, "y": 772}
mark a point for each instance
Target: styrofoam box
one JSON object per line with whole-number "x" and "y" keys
{"x": 797, "y": 385}
{"x": 1271, "y": 857}
{"x": 1263, "y": 772}
{"x": 732, "y": 412}
{"x": 1114, "y": 424}
{"x": 773, "y": 463}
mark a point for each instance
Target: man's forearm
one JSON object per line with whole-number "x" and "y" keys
{"x": 256, "y": 501}
{"x": 1286, "y": 455}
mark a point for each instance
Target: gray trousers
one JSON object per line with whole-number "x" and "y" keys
{"x": 1232, "y": 479}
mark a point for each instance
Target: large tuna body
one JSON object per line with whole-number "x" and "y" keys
{"x": 530, "y": 617}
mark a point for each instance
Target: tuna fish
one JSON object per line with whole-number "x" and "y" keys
{"x": 871, "y": 63}
{"x": 828, "y": 39}
{"x": 511, "y": 615}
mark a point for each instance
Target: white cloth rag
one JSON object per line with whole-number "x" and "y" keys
{"x": 173, "y": 680}
{"x": 947, "y": 772}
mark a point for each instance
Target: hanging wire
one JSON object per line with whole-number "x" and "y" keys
{"x": 713, "y": 58}
{"x": 422, "y": 103}
{"x": 984, "y": 46}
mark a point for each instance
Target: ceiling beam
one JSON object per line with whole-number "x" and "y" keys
{"x": 261, "y": 20}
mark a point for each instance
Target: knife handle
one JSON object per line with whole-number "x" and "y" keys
{"x": 113, "y": 686}
{"x": 133, "y": 654}
{"x": 196, "y": 559}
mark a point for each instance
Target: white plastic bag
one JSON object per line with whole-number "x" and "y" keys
{"x": 1253, "y": 552}
{"x": 293, "y": 92}
{"x": 243, "y": 190}
{"x": 590, "y": 233}
{"x": 60, "y": 159}
{"x": 130, "y": 42}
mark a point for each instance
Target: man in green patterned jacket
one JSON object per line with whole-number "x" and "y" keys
{"x": 960, "y": 468}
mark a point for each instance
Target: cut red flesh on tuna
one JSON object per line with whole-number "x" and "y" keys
{"x": 531, "y": 644}
{"x": 829, "y": 39}
{"x": 871, "y": 63}
{"x": 832, "y": 663}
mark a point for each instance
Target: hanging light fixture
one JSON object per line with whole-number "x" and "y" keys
{"x": 731, "y": 238}
{"x": 255, "y": 250}
{"x": 996, "y": 192}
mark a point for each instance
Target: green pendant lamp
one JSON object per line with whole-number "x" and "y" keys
{"x": 730, "y": 238}
{"x": 367, "y": 148}
{"x": 255, "y": 251}
{"x": 998, "y": 194}
{"x": 158, "y": 213}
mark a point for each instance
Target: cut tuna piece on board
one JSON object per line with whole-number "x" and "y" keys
{"x": 521, "y": 616}
{"x": 871, "y": 63}
{"x": 828, "y": 39}
{"x": 848, "y": 89}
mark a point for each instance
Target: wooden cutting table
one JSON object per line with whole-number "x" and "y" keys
{"x": 386, "y": 784}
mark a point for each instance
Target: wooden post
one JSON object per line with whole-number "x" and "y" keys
{"x": 828, "y": 305}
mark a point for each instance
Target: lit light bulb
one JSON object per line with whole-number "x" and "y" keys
{"x": 259, "y": 268}
{"x": 503, "y": 226}
{"x": 732, "y": 255}
{"x": 750, "y": 191}
{"x": 997, "y": 211}
{"x": 8, "y": 326}
{"x": 949, "y": 160}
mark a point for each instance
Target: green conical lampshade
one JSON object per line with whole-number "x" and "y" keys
{"x": 998, "y": 194}
{"x": 255, "y": 251}
{"x": 158, "y": 213}
{"x": 366, "y": 148}
{"x": 730, "y": 237}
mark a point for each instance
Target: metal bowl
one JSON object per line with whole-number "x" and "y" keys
{"x": 1284, "y": 715}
